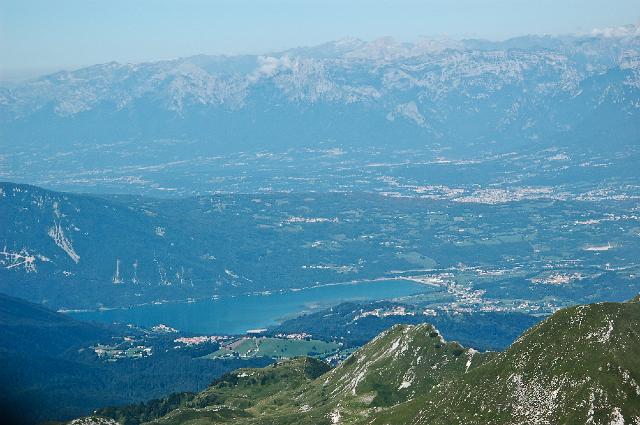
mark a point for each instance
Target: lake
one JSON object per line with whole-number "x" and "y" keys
{"x": 236, "y": 315}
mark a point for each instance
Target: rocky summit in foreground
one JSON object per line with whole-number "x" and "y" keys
{"x": 579, "y": 366}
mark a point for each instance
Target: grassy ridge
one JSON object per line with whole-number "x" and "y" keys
{"x": 580, "y": 366}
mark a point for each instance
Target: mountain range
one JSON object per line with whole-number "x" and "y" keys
{"x": 579, "y": 366}
{"x": 528, "y": 90}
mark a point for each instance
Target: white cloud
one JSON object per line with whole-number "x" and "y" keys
{"x": 268, "y": 66}
{"x": 618, "y": 32}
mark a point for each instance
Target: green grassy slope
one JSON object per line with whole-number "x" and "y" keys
{"x": 579, "y": 366}
{"x": 397, "y": 365}
{"x": 229, "y": 398}
{"x": 276, "y": 348}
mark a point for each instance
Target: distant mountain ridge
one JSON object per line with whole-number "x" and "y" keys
{"x": 515, "y": 92}
{"x": 579, "y": 366}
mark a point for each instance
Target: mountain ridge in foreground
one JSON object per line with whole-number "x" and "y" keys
{"x": 578, "y": 366}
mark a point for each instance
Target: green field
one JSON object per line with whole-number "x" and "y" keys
{"x": 275, "y": 348}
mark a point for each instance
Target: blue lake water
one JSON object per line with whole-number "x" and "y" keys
{"x": 235, "y": 315}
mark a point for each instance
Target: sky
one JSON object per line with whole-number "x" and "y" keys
{"x": 40, "y": 36}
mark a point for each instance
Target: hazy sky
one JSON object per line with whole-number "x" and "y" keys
{"x": 39, "y": 36}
